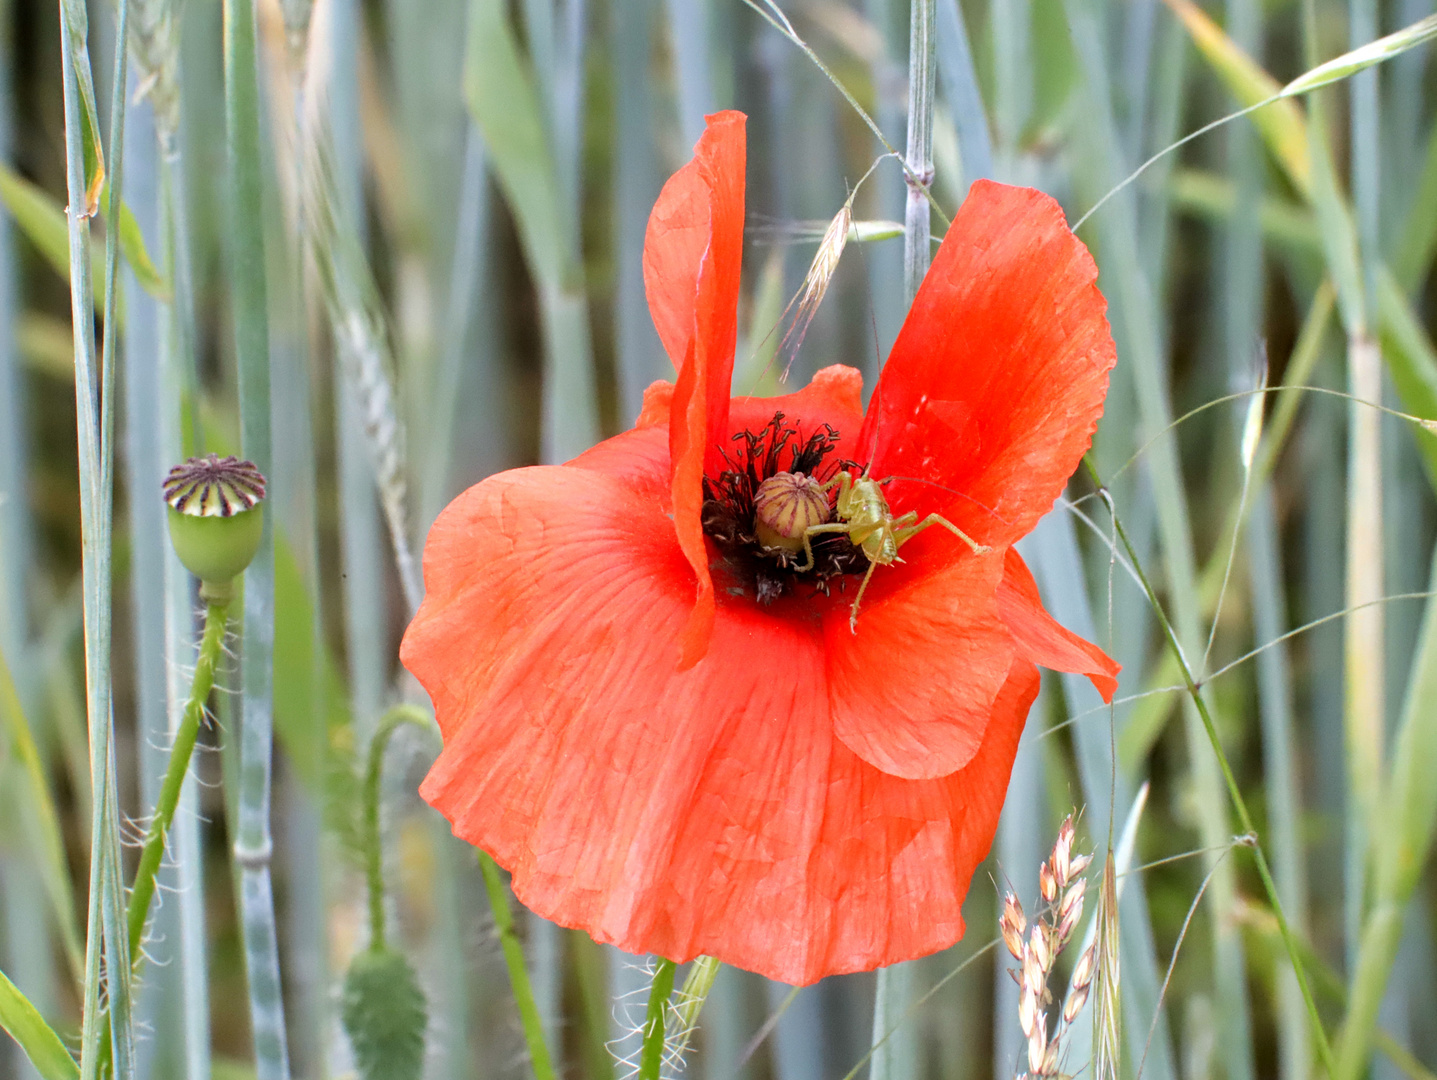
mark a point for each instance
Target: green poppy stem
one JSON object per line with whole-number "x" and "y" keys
{"x": 651, "y": 1057}
{"x": 391, "y": 722}
{"x": 216, "y": 619}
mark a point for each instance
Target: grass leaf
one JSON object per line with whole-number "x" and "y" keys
{"x": 42, "y": 219}
{"x": 38, "y": 1039}
{"x": 44, "y": 830}
{"x": 500, "y": 89}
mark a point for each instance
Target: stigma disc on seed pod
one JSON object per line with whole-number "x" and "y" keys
{"x": 216, "y": 517}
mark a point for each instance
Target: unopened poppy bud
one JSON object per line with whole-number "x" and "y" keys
{"x": 216, "y": 519}
{"x": 786, "y": 506}
{"x": 385, "y": 1015}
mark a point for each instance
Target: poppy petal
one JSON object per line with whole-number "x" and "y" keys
{"x": 1042, "y": 639}
{"x": 897, "y": 702}
{"x": 995, "y": 385}
{"x": 832, "y": 398}
{"x": 639, "y": 458}
{"x": 658, "y": 809}
{"x": 693, "y": 250}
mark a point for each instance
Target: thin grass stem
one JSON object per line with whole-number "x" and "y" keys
{"x": 539, "y": 1060}
{"x": 253, "y": 846}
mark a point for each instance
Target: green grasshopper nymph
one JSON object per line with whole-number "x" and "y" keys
{"x": 786, "y": 503}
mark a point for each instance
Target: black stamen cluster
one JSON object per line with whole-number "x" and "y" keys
{"x": 728, "y": 511}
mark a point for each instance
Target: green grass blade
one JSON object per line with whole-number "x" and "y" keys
{"x": 960, "y": 88}
{"x": 689, "y": 34}
{"x": 501, "y": 94}
{"x": 42, "y": 219}
{"x": 1281, "y": 122}
{"x": 118, "y": 947}
{"x": 44, "y": 830}
{"x": 93, "y": 408}
{"x": 253, "y": 845}
{"x": 639, "y": 356}
{"x": 1409, "y": 816}
{"x": 1418, "y": 238}
{"x": 75, "y": 29}
{"x": 27, "y": 1027}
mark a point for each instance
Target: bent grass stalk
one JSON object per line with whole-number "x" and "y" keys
{"x": 1239, "y": 804}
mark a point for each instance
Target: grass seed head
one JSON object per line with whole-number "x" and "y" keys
{"x": 1061, "y": 860}
{"x": 816, "y": 281}
{"x": 1013, "y": 925}
{"x": 1047, "y": 883}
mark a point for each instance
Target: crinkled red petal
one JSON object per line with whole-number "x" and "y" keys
{"x": 1042, "y": 639}
{"x": 994, "y": 387}
{"x": 709, "y": 811}
{"x": 692, "y": 255}
{"x": 913, "y": 682}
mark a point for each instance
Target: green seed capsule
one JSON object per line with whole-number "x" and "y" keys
{"x": 216, "y": 519}
{"x": 385, "y": 1015}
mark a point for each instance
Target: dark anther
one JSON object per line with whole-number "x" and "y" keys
{"x": 729, "y": 516}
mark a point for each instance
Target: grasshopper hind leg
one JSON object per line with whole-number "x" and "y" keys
{"x": 853, "y": 611}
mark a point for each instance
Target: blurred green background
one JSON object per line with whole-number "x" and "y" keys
{"x": 452, "y": 208}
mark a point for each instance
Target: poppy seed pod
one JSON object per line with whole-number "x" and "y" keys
{"x": 786, "y": 506}
{"x": 216, "y": 520}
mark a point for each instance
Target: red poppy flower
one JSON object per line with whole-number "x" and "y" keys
{"x": 667, "y": 731}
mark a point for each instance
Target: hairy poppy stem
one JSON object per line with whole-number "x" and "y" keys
{"x": 1289, "y": 940}
{"x": 651, "y": 1058}
{"x": 539, "y": 1059}
{"x": 216, "y": 619}
{"x": 391, "y": 722}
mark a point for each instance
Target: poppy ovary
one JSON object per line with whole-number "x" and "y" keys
{"x": 216, "y": 518}
{"x": 786, "y": 506}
